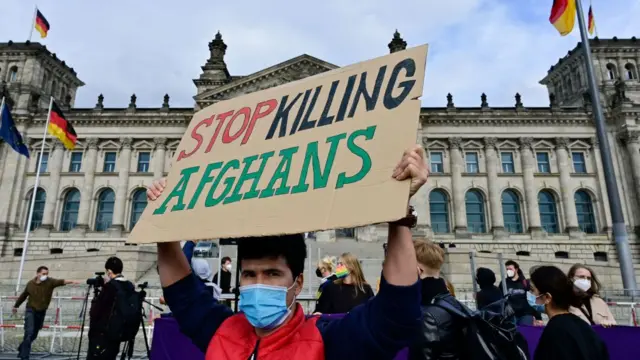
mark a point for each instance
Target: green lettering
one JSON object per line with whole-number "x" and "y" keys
{"x": 206, "y": 178}
{"x": 178, "y": 191}
{"x": 281, "y": 173}
{"x": 320, "y": 178}
{"x": 228, "y": 183}
{"x": 249, "y": 176}
{"x": 368, "y": 133}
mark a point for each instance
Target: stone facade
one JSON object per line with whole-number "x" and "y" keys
{"x": 525, "y": 181}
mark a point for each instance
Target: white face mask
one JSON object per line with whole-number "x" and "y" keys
{"x": 43, "y": 278}
{"x": 582, "y": 284}
{"x": 228, "y": 267}
{"x": 511, "y": 273}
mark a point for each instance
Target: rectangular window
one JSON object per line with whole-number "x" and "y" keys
{"x": 543, "y": 162}
{"x": 436, "y": 162}
{"x": 507, "y": 162}
{"x": 76, "y": 162}
{"x": 471, "y": 159}
{"x": 143, "y": 162}
{"x": 579, "y": 165}
{"x": 109, "y": 162}
{"x": 45, "y": 162}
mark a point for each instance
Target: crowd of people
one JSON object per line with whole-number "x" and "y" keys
{"x": 414, "y": 308}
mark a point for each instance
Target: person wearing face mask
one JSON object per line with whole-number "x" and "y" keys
{"x": 566, "y": 336}
{"x": 39, "y": 292}
{"x": 225, "y": 275}
{"x": 517, "y": 287}
{"x": 348, "y": 291}
{"x": 271, "y": 325}
{"x": 101, "y": 346}
{"x": 592, "y": 308}
{"x": 326, "y": 273}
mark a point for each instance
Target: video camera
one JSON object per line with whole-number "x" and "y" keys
{"x": 97, "y": 281}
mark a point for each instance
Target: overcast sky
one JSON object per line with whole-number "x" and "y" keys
{"x": 153, "y": 47}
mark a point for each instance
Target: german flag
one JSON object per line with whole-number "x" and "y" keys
{"x": 592, "y": 21}
{"x": 41, "y": 24}
{"x": 61, "y": 128}
{"x": 563, "y": 16}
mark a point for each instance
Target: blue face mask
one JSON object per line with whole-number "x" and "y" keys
{"x": 265, "y": 306}
{"x": 531, "y": 299}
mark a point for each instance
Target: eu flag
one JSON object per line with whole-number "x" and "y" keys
{"x": 10, "y": 134}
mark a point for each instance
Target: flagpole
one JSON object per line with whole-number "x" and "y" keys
{"x": 33, "y": 22}
{"x": 620, "y": 235}
{"x": 33, "y": 199}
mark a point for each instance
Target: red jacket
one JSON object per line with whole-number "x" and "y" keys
{"x": 299, "y": 338}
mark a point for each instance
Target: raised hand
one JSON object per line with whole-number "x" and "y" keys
{"x": 155, "y": 190}
{"x": 412, "y": 167}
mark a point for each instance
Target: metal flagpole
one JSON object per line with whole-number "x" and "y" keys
{"x": 33, "y": 200}
{"x": 619, "y": 229}
{"x": 33, "y": 22}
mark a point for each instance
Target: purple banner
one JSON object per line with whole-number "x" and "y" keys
{"x": 170, "y": 344}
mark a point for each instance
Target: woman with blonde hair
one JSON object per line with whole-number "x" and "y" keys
{"x": 326, "y": 271}
{"x": 592, "y": 309}
{"x": 345, "y": 293}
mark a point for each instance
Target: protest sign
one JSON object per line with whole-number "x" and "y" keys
{"x": 309, "y": 155}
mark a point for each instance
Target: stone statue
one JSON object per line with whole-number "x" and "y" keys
{"x": 621, "y": 90}
{"x": 552, "y": 100}
{"x": 483, "y": 98}
{"x": 518, "y": 100}
{"x": 132, "y": 104}
{"x": 450, "y": 103}
{"x": 165, "y": 102}
{"x": 100, "y": 104}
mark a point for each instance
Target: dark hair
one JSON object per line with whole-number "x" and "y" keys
{"x": 485, "y": 277}
{"x": 114, "y": 264}
{"x": 291, "y": 247}
{"x": 595, "y": 284}
{"x": 517, "y": 266}
{"x": 40, "y": 268}
{"x": 553, "y": 281}
{"x": 225, "y": 259}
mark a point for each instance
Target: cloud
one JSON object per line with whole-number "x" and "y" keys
{"x": 150, "y": 48}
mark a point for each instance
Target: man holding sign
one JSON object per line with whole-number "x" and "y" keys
{"x": 271, "y": 325}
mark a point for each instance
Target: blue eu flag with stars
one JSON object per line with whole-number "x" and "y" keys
{"x": 10, "y": 134}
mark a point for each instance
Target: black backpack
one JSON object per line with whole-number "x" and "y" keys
{"x": 488, "y": 334}
{"x": 124, "y": 322}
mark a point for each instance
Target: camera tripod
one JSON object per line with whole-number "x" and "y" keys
{"x": 83, "y": 311}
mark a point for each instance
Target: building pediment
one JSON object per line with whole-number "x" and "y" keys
{"x": 291, "y": 70}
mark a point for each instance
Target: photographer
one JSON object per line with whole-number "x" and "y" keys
{"x": 102, "y": 345}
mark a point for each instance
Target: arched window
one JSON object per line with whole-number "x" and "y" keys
{"x": 630, "y": 72}
{"x": 138, "y": 203}
{"x": 511, "y": 212}
{"x": 569, "y": 85}
{"x": 70, "y": 209}
{"x": 474, "y": 202}
{"x": 439, "y": 208}
{"x": 611, "y": 71}
{"x": 38, "y": 208}
{"x": 13, "y": 74}
{"x": 54, "y": 88}
{"x": 104, "y": 215}
{"x": 584, "y": 210}
{"x": 548, "y": 212}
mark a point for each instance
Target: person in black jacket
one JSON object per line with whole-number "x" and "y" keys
{"x": 441, "y": 335}
{"x": 225, "y": 276}
{"x": 100, "y": 346}
{"x": 517, "y": 287}
{"x": 489, "y": 293}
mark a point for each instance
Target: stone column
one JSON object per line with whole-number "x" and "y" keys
{"x": 568, "y": 201}
{"x": 54, "y": 168}
{"x": 457, "y": 167}
{"x": 158, "y": 157}
{"x": 632, "y": 142}
{"x": 495, "y": 200}
{"x": 124, "y": 165}
{"x": 602, "y": 188}
{"x": 530, "y": 190}
{"x": 89, "y": 168}
{"x": 621, "y": 69}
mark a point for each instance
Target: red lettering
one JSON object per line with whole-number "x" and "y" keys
{"x": 221, "y": 118}
{"x": 271, "y": 104}
{"x": 197, "y": 137}
{"x": 226, "y": 136}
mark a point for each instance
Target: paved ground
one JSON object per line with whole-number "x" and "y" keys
{"x": 38, "y": 356}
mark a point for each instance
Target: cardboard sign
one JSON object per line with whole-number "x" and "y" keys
{"x": 310, "y": 155}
